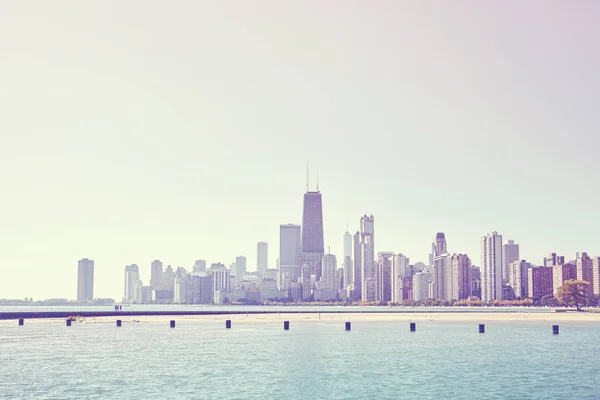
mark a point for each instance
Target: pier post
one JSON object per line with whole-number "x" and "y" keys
{"x": 21, "y": 321}
{"x": 228, "y": 324}
{"x": 68, "y": 322}
{"x": 172, "y": 324}
{"x": 348, "y": 326}
{"x": 555, "y": 329}
{"x": 118, "y": 323}
{"x": 481, "y": 328}
{"x": 286, "y": 325}
{"x": 413, "y": 326}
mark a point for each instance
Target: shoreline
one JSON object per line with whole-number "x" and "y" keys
{"x": 310, "y": 317}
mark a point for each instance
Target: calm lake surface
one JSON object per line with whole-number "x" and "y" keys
{"x": 313, "y": 360}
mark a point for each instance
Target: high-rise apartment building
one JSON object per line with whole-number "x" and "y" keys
{"x": 585, "y": 271}
{"x": 367, "y": 257}
{"x": 290, "y": 251}
{"x": 553, "y": 260}
{"x": 313, "y": 247}
{"x": 329, "y": 268}
{"x": 518, "y": 278}
{"x": 85, "y": 280}
{"x": 262, "y": 257}
{"x": 132, "y": 276}
{"x": 562, "y": 273}
{"x": 539, "y": 282}
{"x": 510, "y": 254}
{"x": 491, "y": 267}
{"x": 461, "y": 277}
{"x": 156, "y": 274}
{"x": 383, "y": 277}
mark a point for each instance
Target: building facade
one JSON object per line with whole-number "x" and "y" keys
{"x": 367, "y": 257}
{"x": 539, "y": 282}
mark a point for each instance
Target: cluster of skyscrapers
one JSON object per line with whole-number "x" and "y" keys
{"x": 304, "y": 272}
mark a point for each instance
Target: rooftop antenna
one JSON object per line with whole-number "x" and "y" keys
{"x": 317, "y": 179}
{"x": 328, "y": 249}
{"x": 307, "y": 174}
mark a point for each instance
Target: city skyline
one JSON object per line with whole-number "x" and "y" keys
{"x": 154, "y": 140}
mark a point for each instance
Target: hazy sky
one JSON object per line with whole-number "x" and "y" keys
{"x": 135, "y": 130}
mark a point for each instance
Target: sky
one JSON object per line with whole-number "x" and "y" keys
{"x": 141, "y": 130}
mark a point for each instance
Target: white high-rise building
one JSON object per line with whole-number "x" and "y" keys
{"x": 262, "y": 257}
{"x": 132, "y": 276}
{"x": 510, "y": 254}
{"x": 329, "y": 269}
{"x": 85, "y": 280}
{"x": 519, "y": 278}
{"x": 290, "y": 251}
{"x": 491, "y": 267}
{"x": 347, "y": 244}
{"x": 367, "y": 250}
{"x": 400, "y": 268}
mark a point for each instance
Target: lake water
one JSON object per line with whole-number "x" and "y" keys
{"x": 313, "y": 360}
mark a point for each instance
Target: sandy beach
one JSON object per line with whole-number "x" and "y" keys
{"x": 437, "y": 317}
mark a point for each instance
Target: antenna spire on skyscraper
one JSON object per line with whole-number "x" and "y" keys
{"x": 307, "y": 174}
{"x": 317, "y": 179}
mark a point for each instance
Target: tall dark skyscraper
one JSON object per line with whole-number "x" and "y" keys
{"x": 313, "y": 247}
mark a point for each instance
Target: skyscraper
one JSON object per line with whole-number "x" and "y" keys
{"x": 491, "y": 267}
{"x": 461, "y": 277}
{"x": 262, "y": 257}
{"x": 383, "y": 277}
{"x": 85, "y": 280}
{"x": 329, "y": 276}
{"x": 357, "y": 276}
{"x": 132, "y": 276}
{"x": 313, "y": 247}
{"x": 518, "y": 278}
{"x": 347, "y": 260}
{"x": 290, "y": 251}
{"x": 199, "y": 266}
{"x": 240, "y": 269}
{"x": 156, "y": 272}
{"x": 367, "y": 257}
{"x": 585, "y": 272}
{"x": 400, "y": 269}
{"x": 510, "y": 254}
{"x": 439, "y": 246}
